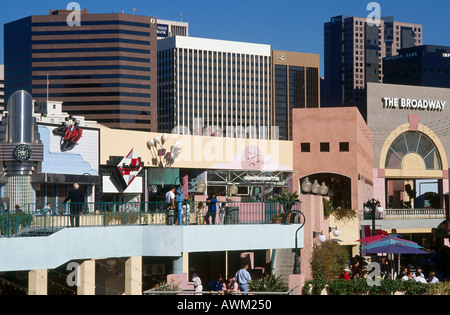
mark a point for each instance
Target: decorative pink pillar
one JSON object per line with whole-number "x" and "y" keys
{"x": 185, "y": 185}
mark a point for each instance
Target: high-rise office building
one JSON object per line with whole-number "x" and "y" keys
{"x": 354, "y": 49}
{"x": 214, "y": 87}
{"x": 427, "y": 65}
{"x": 399, "y": 35}
{"x": 167, "y": 28}
{"x": 2, "y": 88}
{"x": 295, "y": 84}
{"x": 104, "y": 68}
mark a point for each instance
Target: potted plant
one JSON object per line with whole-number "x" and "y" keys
{"x": 287, "y": 199}
{"x": 278, "y": 218}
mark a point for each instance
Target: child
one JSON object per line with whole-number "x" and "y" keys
{"x": 199, "y": 213}
{"x": 222, "y": 208}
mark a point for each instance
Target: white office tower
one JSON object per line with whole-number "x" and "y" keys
{"x": 214, "y": 87}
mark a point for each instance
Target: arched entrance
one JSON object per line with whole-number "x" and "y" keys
{"x": 339, "y": 188}
{"x": 414, "y": 162}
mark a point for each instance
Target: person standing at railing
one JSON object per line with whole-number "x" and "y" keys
{"x": 212, "y": 209}
{"x": 178, "y": 205}
{"x": 222, "y": 208}
{"x": 76, "y": 197}
{"x": 46, "y": 209}
{"x": 199, "y": 213}
{"x": 186, "y": 209}
{"x": 230, "y": 286}
{"x": 170, "y": 203}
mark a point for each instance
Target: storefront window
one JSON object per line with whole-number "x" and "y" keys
{"x": 51, "y": 193}
{"x": 40, "y": 193}
{"x": 413, "y": 193}
{"x": 62, "y": 192}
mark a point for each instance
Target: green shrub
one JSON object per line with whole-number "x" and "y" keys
{"x": 12, "y": 222}
{"x": 328, "y": 260}
{"x": 386, "y": 287}
{"x": 269, "y": 283}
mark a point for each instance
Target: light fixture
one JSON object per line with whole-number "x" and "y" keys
{"x": 323, "y": 189}
{"x": 201, "y": 186}
{"x": 380, "y": 210}
{"x": 373, "y": 206}
{"x": 164, "y": 154}
{"x": 315, "y": 187}
{"x": 306, "y": 186}
{"x": 233, "y": 189}
{"x": 335, "y": 231}
{"x": 322, "y": 238}
{"x": 111, "y": 262}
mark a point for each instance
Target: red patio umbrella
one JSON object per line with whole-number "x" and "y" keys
{"x": 371, "y": 238}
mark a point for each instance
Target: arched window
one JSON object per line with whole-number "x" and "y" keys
{"x": 413, "y": 142}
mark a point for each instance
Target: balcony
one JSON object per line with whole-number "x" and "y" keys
{"x": 427, "y": 218}
{"x": 41, "y": 220}
{"x": 37, "y": 239}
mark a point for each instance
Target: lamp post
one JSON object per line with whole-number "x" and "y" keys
{"x": 373, "y": 206}
{"x": 297, "y": 250}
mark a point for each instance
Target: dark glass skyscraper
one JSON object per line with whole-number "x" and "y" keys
{"x": 427, "y": 65}
{"x": 296, "y": 84}
{"x": 104, "y": 69}
{"x": 353, "y": 55}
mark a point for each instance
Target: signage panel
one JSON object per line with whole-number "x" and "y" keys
{"x": 128, "y": 169}
{"x": 413, "y": 104}
{"x": 162, "y": 30}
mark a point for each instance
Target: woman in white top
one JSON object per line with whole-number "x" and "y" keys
{"x": 197, "y": 283}
{"x": 433, "y": 278}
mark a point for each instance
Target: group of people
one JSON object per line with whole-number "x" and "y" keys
{"x": 357, "y": 269}
{"x": 418, "y": 276}
{"x": 234, "y": 283}
{"x": 178, "y": 211}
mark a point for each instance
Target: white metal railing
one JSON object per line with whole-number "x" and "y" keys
{"x": 406, "y": 214}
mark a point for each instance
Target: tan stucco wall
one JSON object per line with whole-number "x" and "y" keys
{"x": 200, "y": 152}
{"x": 335, "y": 125}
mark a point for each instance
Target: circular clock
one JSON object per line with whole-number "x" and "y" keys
{"x": 22, "y": 152}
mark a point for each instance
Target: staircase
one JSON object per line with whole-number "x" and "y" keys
{"x": 283, "y": 263}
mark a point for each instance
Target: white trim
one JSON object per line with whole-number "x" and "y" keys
{"x": 214, "y": 45}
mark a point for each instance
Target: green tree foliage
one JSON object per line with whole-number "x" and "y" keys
{"x": 328, "y": 260}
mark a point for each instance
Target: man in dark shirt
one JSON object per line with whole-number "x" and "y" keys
{"x": 212, "y": 207}
{"x": 76, "y": 197}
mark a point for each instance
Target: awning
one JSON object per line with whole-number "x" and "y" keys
{"x": 250, "y": 178}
